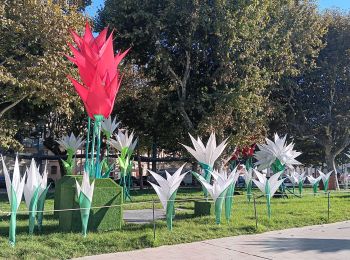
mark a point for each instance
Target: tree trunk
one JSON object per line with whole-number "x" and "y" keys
{"x": 333, "y": 180}
{"x": 140, "y": 170}
{"x": 154, "y": 156}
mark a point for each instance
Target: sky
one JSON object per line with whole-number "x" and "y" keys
{"x": 323, "y": 4}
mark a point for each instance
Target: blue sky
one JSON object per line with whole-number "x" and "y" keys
{"x": 342, "y": 4}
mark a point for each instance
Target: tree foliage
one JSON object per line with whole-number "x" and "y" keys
{"x": 33, "y": 84}
{"x": 318, "y": 101}
{"x": 211, "y": 65}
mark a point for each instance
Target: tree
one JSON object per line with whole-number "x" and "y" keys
{"x": 214, "y": 62}
{"x": 318, "y": 101}
{"x": 33, "y": 69}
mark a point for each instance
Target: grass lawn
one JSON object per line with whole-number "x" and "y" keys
{"x": 291, "y": 212}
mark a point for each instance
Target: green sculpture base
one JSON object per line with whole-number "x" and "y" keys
{"x": 203, "y": 208}
{"x": 106, "y": 193}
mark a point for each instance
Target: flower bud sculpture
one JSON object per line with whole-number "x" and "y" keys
{"x": 218, "y": 190}
{"x": 325, "y": 179}
{"x": 314, "y": 183}
{"x": 268, "y": 186}
{"x": 35, "y": 190}
{"x": 297, "y": 179}
{"x": 84, "y": 196}
{"x": 14, "y": 192}
{"x": 166, "y": 191}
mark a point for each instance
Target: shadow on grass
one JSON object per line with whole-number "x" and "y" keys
{"x": 21, "y": 217}
{"x": 47, "y": 229}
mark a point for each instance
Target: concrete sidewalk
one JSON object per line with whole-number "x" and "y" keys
{"x": 329, "y": 242}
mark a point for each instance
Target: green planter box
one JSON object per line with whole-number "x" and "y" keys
{"x": 203, "y": 208}
{"x": 106, "y": 193}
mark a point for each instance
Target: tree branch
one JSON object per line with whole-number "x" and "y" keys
{"x": 11, "y": 106}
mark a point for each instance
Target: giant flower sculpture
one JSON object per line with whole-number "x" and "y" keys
{"x": 276, "y": 154}
{"x": 98, "y": 86}
{"x": 218, "y": 190}
{"x": 268, "y": 186}
{"x": 98, "y": 69}
{"x": 14, "y": 193}
{"x": 166, "y": 190}
{"x": 35, "y": 190}
{"x": 206, "y": 155}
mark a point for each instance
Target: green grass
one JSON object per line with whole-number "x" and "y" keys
{"x": 291, "y": 212}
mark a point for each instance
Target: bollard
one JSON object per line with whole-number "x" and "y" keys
{"x": 154, "y": 224}
{"x": 255, "y": 214}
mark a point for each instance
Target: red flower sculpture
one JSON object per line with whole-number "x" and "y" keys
{"x": 248, "y": 151}
{"x": 98, "y": 69}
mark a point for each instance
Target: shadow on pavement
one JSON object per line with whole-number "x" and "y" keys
{"x": 302, "y": 244}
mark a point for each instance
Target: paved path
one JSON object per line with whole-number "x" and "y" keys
{"x": 142, "y": 216}
{"x": 328, "y": 242}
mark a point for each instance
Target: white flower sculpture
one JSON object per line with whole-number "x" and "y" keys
{"x": 35, "y": 190}
{"x": 276, "y": 154}
{"x": 325, "y": 179}
{"x": 268, "y": 186}
{"x": 248, "y": 179}
{"x": 124, "y": 142}
{"x": 206, "y": 155}
{"x": 314, "y": 182}
{"x": 109, "y": 126}
{"x": 166, "y": 191}
{"x": 85, "y": 193}
{"x": 217, "y": 190}
{"x": 71, "y": 143}
{"x": 14, "y": 192}
{"x": 297, "y": 179}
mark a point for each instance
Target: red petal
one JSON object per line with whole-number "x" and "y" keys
{"x": 118, "y": 58}
{"x": 88, "y": 37}
{"x": 77, "y": 39}
{"x": 82, "y": 91}
{"x": 101, "y": 38}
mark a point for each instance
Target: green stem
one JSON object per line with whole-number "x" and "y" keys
{"x": 12, "y": 232}
{"x": 207, "y": 176}
{"x": 229, "y": 201}
{"x": 218, "y": 207}
{"x": 92, "y": 156}
{"x": 97, "y": 133}
{"x": 87, "y": 145}
{"x": 249, "y": 190}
